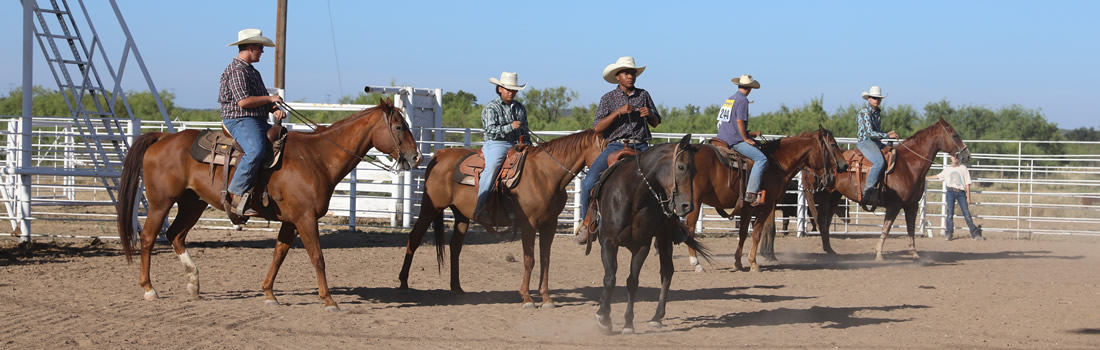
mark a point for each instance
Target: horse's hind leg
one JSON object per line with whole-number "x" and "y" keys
{"x": 636, "y": 261}
{"x": 287, "y": 232}
{"x": 887, "y": 222}
{"x": 158, "y": 211}
{"x": 910, "y": 226}
{"x": 189, "y": 210}
{"x": 664, "y": 252}
{"x": 462, "y": 225}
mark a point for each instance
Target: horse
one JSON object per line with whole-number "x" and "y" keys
{"x": 639, "y": 199}
{"x": 903, "y": 188}
{"x": 300, "y": 188}
{"x": 539, "y": 198}
{"x": 716, "y": 184}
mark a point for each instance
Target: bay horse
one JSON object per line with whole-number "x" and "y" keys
{"x": 641, "y": 198}
{"x": 904, "y": 187}
{"x": 300, "y": 189}
{"x": 717, "y": 185}
{"x": 539, "y": 198}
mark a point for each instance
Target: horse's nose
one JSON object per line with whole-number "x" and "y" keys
{"x": 417, "y": 159}
{"x": 685, "y": 208}
{"x": 842, "y": 167}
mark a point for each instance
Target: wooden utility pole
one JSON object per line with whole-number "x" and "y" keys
{"x": 280, "y": 46}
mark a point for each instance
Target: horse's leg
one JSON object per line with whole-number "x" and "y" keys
{"x": 637, "y": 258}
{"x": 189, "y": 211}
{"x": 311, "y": 240}
{"x": 767, "y": 239}
{"x": 609, "y": 255}
{"x": 690, "y": 220}
{"x": 742, "y": 233}
{"x": 528, "y": 265}
{"x": 158, "y": 211}
{"x": 462, "y": 224}
{"x": 427, "y": 216}
{"x": 546, "y": 241}
{"x": 824, "y": 217}
{"x": 910, "y": 226}
{"x": 664, "y": 252}
{"x": 758, "y": 228}
{"x": 287, "y": 232}
{"x": 891, "y": 214}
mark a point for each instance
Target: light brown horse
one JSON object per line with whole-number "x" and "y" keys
{"x": 718, "y": 186}
{"x": 904, "y": 186}
{"x": 312, "y": 165}
{"x": 539, "y": 198}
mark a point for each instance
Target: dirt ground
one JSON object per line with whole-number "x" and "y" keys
{"x": 1042, "y": 293}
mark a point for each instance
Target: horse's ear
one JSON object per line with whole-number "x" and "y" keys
{"x": 387, "y": 103}
{"x": 684, "y": 142}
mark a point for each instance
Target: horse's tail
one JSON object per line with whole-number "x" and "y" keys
{"x": 128, "y": 189}
{"x": 700, "y": 249}
{"x": 437, "y": 226}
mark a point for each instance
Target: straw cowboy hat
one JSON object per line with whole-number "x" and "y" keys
{"x": 875, "y": 92}
{"x": 746, "y": 81}
{"x": 252, "y": 36}
{"x": 508, "y": 80}
{"x": 625, "y": 62}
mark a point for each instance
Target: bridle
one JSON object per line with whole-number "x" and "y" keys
{"x": 821, "y": 181}
{"x": 368, "y": 159}
{"x": 665, "y": 204}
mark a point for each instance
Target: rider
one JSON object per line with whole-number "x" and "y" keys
{"x": 737, "y": 136}
{"x": 625, "y": 114}
{"x": 870, "y": 144}
{"x": 245, "y": 104}
{"x": 505, "y": 123}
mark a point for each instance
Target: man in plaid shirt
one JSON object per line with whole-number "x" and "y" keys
{"x": 245, "y": 104}
{"x": 869, "y": 143}
{"x": 504, "y": 121}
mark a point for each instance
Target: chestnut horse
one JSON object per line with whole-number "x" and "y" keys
{"x": 718, "y": 186}
{"x": 642, "y": 198}
{"x": 539, "y": 198}
{"x": 904, "y": 186}
{"x": 300, "y": 189}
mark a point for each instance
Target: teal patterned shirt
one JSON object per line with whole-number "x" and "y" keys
{"x": 496, "y": 120}
{"x": 870, "y": 124}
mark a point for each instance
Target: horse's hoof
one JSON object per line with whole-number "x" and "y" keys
{"x": 603, "y": 324}
{"x": 404, "y": 286}
{"x": 271, "y": 302}
{"x": 879, "y": 258}
{"x": 656, "y": 324}
{"x": 458, "y": 290}
{"x": 755, "y": 269}
{"x": 627, "y": 331}
{"x": 699, "y": 268}
{"x": 528, "y": 305}
{"x": 151, "y": 295}
{"x": 193, "y": 290}
{"x": 738, "y": 267}
{"x": 549, "y": 305}
{"x": 333, "y": 309}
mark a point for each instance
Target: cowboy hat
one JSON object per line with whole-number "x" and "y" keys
{"x": 746, "y": 81}
{"x": 252, "y": 36}
{"x": 508, "y": 80}
{"x": 875, "y": 92}
{"x": 625, "y": 62}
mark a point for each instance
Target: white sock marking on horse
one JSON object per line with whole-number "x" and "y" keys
{"x": 693, "y": 260}
{"x": 192, "y": 273}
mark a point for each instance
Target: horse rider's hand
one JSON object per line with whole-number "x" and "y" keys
{"x": 625, "y": 110}
{"x": 754, "y": 134}
{"x": 516, "y": 124}
{"x": 279, "y": 114}
{"x": 892, "y": 134}
{"x": 644, "y": 111}
{"x": 750, "y": 141}
{"x": 275, "y": 99}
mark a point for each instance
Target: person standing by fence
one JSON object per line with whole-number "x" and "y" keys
{"x": 956, "y": 177}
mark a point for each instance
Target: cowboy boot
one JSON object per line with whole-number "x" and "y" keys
{"x": 239, "y": 205}
{"x": 583, "y": 232}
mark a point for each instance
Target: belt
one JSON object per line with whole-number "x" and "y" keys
{"x": 629, "y": 141}
{"x": 955, "y": 189}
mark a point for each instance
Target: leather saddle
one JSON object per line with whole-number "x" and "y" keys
{"x": 727, "y": 156}
{"x": 220, "y": 148}
{"x": 469, "y": 169}
{"x": 858, "y": 163}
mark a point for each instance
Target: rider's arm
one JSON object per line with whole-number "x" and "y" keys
{"x": 864, "y": 120}
{"x": 605, "y": 115}
{"x": 654, "y": 116}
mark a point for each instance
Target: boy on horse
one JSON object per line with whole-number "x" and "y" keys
{"x": 245, "y": 104}
{"x": 738, "y": 136}
{"x": 505, "y": 123}
{"x": 625, "y": 114}
{"x": 870, "y": 144}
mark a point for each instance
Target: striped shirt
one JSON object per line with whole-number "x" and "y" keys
{"x": 497, "y": 118}
{"x": 627, "y": 127}
{"x": 239, "y": 81}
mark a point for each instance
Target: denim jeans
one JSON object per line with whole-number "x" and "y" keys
{"x": 495, "y": 152}
{"x": 952, "y": 196}
{"x": 251, "y": 134}
{"x": 760, "y": 162}
{"x": 597, "y": 168}
{"x": 872, "y": 150}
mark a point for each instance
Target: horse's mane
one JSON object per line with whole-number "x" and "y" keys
{"x": 567, "y": 143}
{"x": 772, "y": 146}
{"x": 922, "y": 134}
{"x": 357, "y": 115}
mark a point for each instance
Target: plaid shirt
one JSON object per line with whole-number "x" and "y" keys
{"x": 627, "y": 127}
{"x": 239, "y": 81}
{"x": 870, "y": 124}
{"x": 497, "y": 118}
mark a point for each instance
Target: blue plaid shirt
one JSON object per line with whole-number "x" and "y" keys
{"x": 496, "y": 120}
{"x": 870, "y": 124}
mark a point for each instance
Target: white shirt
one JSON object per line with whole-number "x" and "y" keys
{"x": 955, "y": 177}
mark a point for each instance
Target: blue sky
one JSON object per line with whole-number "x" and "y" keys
{"x": 1040, "y": 55}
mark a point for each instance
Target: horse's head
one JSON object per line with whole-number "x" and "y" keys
{"x": 951, "y": 142}
{"x": 825, "y": 159}
{"x": 396, "y": 138}
{"x": 682, "y": 177}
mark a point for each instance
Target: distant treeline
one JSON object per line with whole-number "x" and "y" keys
{"x": 553, "y": 109}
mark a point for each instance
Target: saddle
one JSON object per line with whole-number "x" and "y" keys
{"x": 469, "y": 169}
{"x": 861, "y": 166}
{"x": 736, "y": 163}
{"x": 220, "y": 148}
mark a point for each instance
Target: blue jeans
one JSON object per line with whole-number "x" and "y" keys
{"x": 251, "y": 134}
{"x": 952, "y": 196}
{"x": 760, "y": 163}
{"x": 597, "y": 168}
{"x": 495, "y": 152}
{"x": 872, "y": 150}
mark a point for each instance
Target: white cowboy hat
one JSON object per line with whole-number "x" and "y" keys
{"x": 746, "y": 81}
{"x": 625, "y": 62}
{"x": 252, "y": 36}
{"x": 508, "y": 80}
{"x": 875, "y": 92}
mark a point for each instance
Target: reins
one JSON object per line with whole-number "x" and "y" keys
{"x": 372, "y": 161}
{"x": 675, "y": 187}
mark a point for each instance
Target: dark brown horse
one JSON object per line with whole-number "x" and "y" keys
{"x": 539, "y": 198}
{"x": 718, "y": 186}
{"x": 642, "y": 198}
{"x": 312, "y": 165}
{"x": 904, "y": 186}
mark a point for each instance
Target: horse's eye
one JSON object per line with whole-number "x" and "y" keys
{"x": 681, "y": 167}
{"x": 398, "y": 128}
